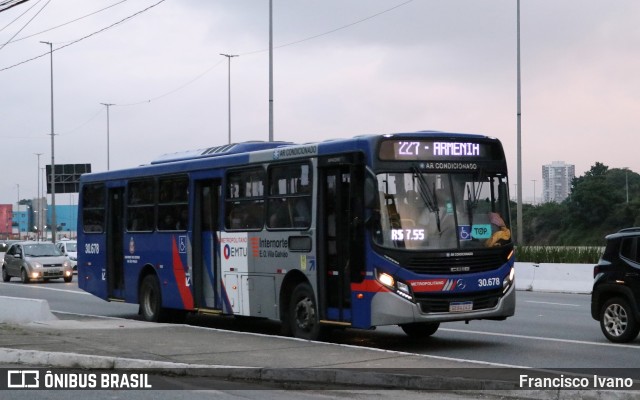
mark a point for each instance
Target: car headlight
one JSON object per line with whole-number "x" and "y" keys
{"x": 35, "y": 264}
{"x": 66, "y": 264}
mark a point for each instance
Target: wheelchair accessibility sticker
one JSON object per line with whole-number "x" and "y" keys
{"x": 469, "y": 232}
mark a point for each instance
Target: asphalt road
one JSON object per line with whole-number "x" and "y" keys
{"x": 549, "y": 330}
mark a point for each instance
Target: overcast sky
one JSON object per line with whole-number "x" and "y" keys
{"x": 341, "y": 68}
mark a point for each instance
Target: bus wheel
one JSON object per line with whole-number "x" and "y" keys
{"x": 151, "y": 299}
{"x": 303, "y": 313}
{"x": 420, "y": 329}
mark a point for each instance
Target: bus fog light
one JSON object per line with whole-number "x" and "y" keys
{"x": 386, "y": 279}
{"x": 508, "y": 281}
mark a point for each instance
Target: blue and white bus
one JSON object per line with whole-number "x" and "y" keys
{"x": 408, "y": 229}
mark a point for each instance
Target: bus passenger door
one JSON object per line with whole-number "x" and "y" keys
{"x": 339, "y": 238}
{"x": 206, "y": 269}
{"x": 115, "y": 251}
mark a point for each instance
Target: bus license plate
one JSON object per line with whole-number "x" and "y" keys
{"x": 461, "y": 306}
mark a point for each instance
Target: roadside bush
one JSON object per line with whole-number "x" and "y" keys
{"x": 558, "y": 254}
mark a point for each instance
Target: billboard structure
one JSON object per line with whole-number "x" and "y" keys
{"x": 67, "y": 177}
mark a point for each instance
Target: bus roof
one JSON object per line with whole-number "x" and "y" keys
{"x": 233, "y": 148}
{"x": 242, "y": 153}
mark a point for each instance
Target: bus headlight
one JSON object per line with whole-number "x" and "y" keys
{"x": 404, "y": 291}
{"x": 508, "y": 281}
{"x": 386, "y": 279}
{"x": 400, "y": 288}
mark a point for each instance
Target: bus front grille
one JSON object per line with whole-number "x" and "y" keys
{"x": 457, "y": 265}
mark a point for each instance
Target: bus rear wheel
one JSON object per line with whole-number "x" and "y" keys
{"x": 303, "y": 313}
{"x": 419, "y": 330}
{"x": 151, "y": 299}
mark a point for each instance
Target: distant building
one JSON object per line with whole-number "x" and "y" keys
{"x": 34, "y": 221}
{"x": 67, "y": 220}
{"x": 6, "y": 223}
{"x": 556, "y": 181}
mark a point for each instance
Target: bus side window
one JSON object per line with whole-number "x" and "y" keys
{"x": 173, "y": 197}
{"x": 289, "y": 203}
{"x": 93, "y": 206}
{"x": 140, "y": 205}
{"x": 244, "y": 199}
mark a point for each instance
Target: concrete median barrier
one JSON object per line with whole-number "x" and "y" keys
{"x": 565, "y": 278}
{"x": 22, "y": 310}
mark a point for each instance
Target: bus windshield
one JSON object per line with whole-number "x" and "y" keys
{"x": 442, "y": 211}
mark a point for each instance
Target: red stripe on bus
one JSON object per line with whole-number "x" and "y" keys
{"x": 370, "y": 286}
{"x": 181, "y": 278}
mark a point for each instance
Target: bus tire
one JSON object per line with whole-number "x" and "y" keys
{"x": 151, "y": 299}
{"x": 303, "y": 313}
{"x": 419, "y": 330}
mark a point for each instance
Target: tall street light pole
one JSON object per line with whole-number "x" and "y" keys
{"x": 108, "y": 146}
{"x": 519, "y": 126}
{"x": 229, "y": 82}
{"x": 271, "y": 70}
{"x": 37, "y": 211}
{"x": 534, "y": 191}
{"x": 53, "y": 163}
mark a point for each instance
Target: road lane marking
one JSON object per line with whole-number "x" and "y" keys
{"x": 553, "y": 304}
{"x": 571, "y": 341}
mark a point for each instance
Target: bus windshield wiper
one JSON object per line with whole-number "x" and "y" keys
{"x": 427, "y": 195}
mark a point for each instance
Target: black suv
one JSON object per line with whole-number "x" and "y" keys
{"x": 615, "y": 300}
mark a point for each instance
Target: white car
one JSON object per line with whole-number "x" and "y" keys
{"x": 4, "y": 246}
{"x": 69, "y": 248}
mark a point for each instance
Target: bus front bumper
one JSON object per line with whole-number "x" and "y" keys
{"x": 388, "y": 308}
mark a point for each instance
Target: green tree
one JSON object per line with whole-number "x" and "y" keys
{"x": 593, "y": 197}
{"x": 596, "y": 207}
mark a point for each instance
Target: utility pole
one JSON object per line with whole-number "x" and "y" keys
{"x": 53, "y": 162}
{"x": 37, "y": 212}
{"x": 534, "y": 191}
{"x": 108, "y": 145}
{"x": 229, "y": 82}
{"x": 271, "y": 70}
{"x": 519, "y": 128}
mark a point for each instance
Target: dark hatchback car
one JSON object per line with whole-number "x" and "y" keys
{"x": 616, "y": 287}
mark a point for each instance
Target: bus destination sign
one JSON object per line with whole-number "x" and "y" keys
{"x": 433, "y": 150}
